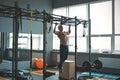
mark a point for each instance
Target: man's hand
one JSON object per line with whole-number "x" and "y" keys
{"x": 56, "y": 24}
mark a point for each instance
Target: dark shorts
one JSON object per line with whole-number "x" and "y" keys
{"x": 63, "y": 49}
{"x": 63, "y": 54}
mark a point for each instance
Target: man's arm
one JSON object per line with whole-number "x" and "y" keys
{"x": 54, "y": 31}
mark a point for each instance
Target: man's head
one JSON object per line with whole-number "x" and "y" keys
{"x": 60, "y": 27}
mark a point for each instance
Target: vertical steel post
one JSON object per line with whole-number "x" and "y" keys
{"x": 2, "y": 46}
{"x": 89, "y": 34}
{"x": 13, "y": 51}
{"x": 75, "y": 47}
{"x": 44, "y": 46}
{"x": 15, "y": 43}
{"x": 113, "y": 27}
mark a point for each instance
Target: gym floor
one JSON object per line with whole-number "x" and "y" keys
{"x": 101, "y": 76}
{"x": 95, "y": 75}
{"x": 81, "y": 76}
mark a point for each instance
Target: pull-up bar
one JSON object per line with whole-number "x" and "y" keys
{"x": 8, "y": 11}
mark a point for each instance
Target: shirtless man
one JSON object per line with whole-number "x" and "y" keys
{"x": 63, "y": 44}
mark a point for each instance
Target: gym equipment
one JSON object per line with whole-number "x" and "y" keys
{"x": 37, "y": 63}
{"x": 97, "y": 64}
{"x": 68, "y": 70}
{"x": 34, "y": 59}
{"x": 21, "y": 74}
{"x": 21, "y": 78}
{"x": 49, "y": 19}
{"x": 84, "y": 28}
{"x": 33, "y": 62}
{"x": 24, "y": 75}
{"x": 85, "y": 78}
{"x": 20, "y": 13}
{"x": 5, "y": 72}
{"x": 86, "y": 66}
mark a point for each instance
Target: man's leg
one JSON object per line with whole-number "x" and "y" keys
{"x": 63, "y": 55}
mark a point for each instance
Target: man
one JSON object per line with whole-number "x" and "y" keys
{"x": 62, "y": 35}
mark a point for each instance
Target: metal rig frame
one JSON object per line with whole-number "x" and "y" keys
{"x": 21, "y": 13}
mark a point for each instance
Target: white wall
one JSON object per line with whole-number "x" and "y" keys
{"x": 110, "y": 62}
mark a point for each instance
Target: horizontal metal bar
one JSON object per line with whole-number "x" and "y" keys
{"x": 8, "y": 11}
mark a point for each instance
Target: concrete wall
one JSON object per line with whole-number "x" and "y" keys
{"x": 40, "y": 5}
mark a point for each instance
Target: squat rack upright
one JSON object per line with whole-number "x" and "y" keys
{"x": 21, "y": 13}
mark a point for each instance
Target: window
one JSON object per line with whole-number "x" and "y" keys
{"x": 56, "y": 43}
{"x": 81, "y": 12}
{"x": 24, "y": 41}
{"x": 81, "y": 44}
{"x": 101, "y": 18}
{"x": 78, "y": 10}
{"x": 105, "y": 37}
{"x": 117, "y": 16}
{"x": 101, "y": 44}
{"x": 101, "y": 25}
{"x": 60, "y": 11}
{"x": 117, "y": 43}
{"x": 117, "y": 27}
